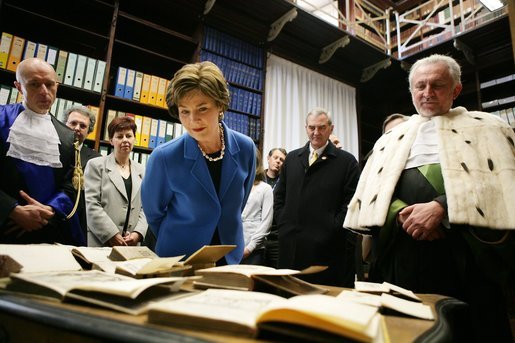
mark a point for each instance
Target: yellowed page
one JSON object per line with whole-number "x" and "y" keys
{"x": 41, "y": 257}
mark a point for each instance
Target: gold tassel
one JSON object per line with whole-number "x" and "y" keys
{"x": 77, "y": 179}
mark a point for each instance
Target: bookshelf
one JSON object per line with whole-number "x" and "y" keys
{"x": 243, "y": 67}
{"x": 436, "y": 21}
{"x": 158, "y": 37}
{"x": 124, "y": 34}
{"x": 142, "y": 40}
{"x": 497, "y": 96}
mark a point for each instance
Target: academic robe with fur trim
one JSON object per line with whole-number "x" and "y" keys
{"x": 180, "y": 200}
{"x": 50, "y": 186}
{"x": 477, "y": 156}
{"x": 310, "y": 203}
{"x": 477, "y": 160}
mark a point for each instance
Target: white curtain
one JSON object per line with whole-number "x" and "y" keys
{"x": 291, "y": 92}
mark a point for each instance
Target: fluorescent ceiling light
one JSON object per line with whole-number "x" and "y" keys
{"x": 492, "y": 5}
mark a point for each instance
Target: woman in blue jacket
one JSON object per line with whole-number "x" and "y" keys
{"x": 196, "y": 186}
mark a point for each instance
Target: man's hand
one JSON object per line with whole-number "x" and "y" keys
{"x": 32, "y": 216}
{"x": 32, "y": 201}
{"x": 422, "y": 221}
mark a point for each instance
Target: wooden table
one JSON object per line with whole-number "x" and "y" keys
{"x": 25, "y": 319}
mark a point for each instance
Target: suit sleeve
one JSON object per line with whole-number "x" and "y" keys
{"x": 99, "y": 223}
{"x": 7, "y": 203}
{"x": 280, "y": 192}
{"x": 155, "y": 194}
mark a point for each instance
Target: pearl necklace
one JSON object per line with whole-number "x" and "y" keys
{"x": 211, "y": 159}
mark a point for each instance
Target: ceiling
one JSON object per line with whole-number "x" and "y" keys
{"x": 303, "y": 39}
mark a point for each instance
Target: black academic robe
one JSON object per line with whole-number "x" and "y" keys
{"x": 447, "y": 266}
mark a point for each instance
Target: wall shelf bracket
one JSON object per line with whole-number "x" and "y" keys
{"x": 278, "y": 25}
{"x": 208, "y": 6}
{"x": 369, "y": 72}
{"x": 329, "y": 50}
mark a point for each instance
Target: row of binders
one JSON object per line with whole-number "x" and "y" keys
{"x": 61, "y": 105}
{"x": 244, "y": 124}
{"x": 245, "y": 101}
{"x": 150, "y": 132}
{"x": 11, "y": 95}
{"x": 137, "y": 86}
{"x": 72, "y": 69}
{"x": 138, "y": 156}
{"x": 236, "y": 72}
{"x": 506, "y": 114}
{"x": 232, "y": 47}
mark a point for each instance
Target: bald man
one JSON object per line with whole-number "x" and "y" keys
{"x": 36, "y": 164}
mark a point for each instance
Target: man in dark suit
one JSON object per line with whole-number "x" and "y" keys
{"x": 36, "y": 164}
{"x": 81, "y": 120}
{"x": 310, "y": 201}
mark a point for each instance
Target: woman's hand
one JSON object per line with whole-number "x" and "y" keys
{"x": 116, "y": 240}
{"x": 132, "y": 238}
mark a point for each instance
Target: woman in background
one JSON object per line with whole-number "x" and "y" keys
{"x": 257, "y": 217}
{"x": 196, "y": 185}
{"x": 112, "y": 187}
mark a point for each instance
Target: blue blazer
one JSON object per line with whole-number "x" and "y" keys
{"x": 180, "y": 200}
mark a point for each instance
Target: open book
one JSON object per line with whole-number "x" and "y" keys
{"x": 246, "y": 313}
{"x": 389, "y": 303}
{"x": 255, "y": 277}
{"x": 208, "y": 255}
{"x": 385, "y": 287}
{"x": 141, "y": 262}
{"x": 36, "y": 258}
{"x": 135, "y": 261}
{"x": 117, "y": 292}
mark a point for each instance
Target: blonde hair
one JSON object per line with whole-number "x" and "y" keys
{"x": 205, "y": 77}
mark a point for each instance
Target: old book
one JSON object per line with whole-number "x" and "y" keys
{"x": 206, "y": 257}
{"x": 117, "y": 292}
{"x": 385, "y": 287}
{"x": 389, "y": 303}
{"x": 126, "y": 253}
{"x": 254, "y": 277}
{"x": 142, "y": 262}
{"x": 150, "y": 267}
{"x": 246, "y": 313}
{"x": 135, "y": 261}
{"x": 37, "y": 258}
{"x": 88, "y": 256}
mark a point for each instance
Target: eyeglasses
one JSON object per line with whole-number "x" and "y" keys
{"x": 74, "y": 123}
